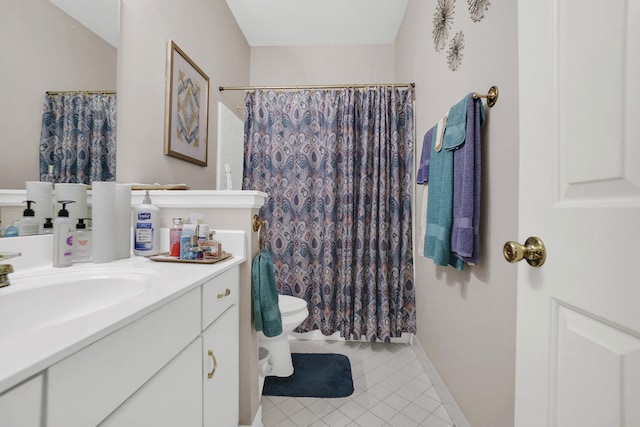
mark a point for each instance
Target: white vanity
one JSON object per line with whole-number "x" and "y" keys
{"x": 164, "y": 355}
{"x": 139, "y": 359}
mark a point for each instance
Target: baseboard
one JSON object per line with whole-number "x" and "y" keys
{"x": 318, "y": 336}
{"x": 445, "y": 395}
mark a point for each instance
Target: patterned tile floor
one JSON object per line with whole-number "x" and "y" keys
{"x": 391, "y": 389}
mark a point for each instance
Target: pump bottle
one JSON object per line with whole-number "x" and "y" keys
{"x": 63, "y": 237}
{"x": 28, "y": 225}
{"x": 146, "y": 232}
{"x": 82, "y": 242}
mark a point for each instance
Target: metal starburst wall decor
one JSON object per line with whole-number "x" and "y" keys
{"x": 454, "y": 54}
{"x": 477, "y": 8}
{"x": 442, "y": 20}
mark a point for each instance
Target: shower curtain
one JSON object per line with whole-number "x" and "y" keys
{"x": 79, "y": 137}
{"x": 336, "y": 165}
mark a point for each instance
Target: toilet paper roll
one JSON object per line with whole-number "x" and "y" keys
{"x": 123, "y": 220}
{"x": 103, "y": 200}
{"x": 77, "y": 193}
{"x": 42, "y": 194}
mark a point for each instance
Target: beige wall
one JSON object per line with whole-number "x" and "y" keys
{"x": 42, "y": 49}
{"x": 207, "y": 32}
{"x": 315, "y": 65}
{"x": 466, "y": 319}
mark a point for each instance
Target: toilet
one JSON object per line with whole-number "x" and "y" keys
{"x": 294, "y": 311}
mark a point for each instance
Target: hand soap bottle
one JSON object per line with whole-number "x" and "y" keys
{"x": 28, "y": 225}
{"x": 82, "y": 242}
{"x": 63, "y": 237}
{"x": 47, "y": 228}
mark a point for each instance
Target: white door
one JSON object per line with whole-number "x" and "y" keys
{"x": 578, "y": 331}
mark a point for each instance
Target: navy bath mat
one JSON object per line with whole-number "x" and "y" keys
{"x": 314, "y": 375}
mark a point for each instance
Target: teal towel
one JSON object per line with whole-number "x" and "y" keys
{"x": 437, "y": 242}
{"x": 266, "y": 313}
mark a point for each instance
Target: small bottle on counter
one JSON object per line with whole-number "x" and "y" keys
{"x": 82, "y": 242}
{"x": 174, "y": 237}
{"x": 28, "y": 225}
{"x": 193, "y": 251}
{"x": 211, "y": 248}
{"x": 63, "y": 237}
{"x": 188, "y": 230}
{"x": 47, "y": 227}
{"x": 12, "y": 230}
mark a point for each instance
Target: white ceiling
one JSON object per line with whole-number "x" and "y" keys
{"x": 276, "y": 22}
{"x": 318, "y": 22}
{"x": 100, "y": 16}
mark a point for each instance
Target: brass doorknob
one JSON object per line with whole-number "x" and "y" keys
{"x": 533, "y": 251}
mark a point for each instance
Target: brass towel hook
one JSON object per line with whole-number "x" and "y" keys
{"x": 257, "y": 226}
{"x": 492, "y": 96}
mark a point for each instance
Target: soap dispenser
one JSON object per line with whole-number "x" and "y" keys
{"x": 47, "y": 227}
{"x": 29, "y": 224}
{"x": 82, "y": 242}
{"x": 63, "y": 237}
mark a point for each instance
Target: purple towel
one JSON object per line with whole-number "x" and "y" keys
{"x": 423, "y": 171}
{"x": 465, "y": 237}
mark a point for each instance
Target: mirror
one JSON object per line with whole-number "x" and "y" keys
{"x": 45, "y": 49}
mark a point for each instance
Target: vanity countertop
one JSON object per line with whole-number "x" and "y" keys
{"x": 31, "y": 351}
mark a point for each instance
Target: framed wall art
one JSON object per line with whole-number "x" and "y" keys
{"x": 187, "y": 108}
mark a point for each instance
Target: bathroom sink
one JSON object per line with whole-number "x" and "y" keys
{"x": 39, "y": 300}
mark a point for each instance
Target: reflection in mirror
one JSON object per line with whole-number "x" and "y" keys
{"x": 44, "y": 49}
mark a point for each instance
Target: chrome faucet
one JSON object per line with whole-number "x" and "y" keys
{"x": 6, "y": 269}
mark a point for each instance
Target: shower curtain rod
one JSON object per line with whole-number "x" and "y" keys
{"x": 359, "y": 85}
{"x": 87, "y": 92}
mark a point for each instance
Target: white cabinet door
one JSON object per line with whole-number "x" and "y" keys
{"x": 22, "y": 405}
{"x": 578, "y": 334}
{"x": 173, "y": 397}
{"x": 87, "y": 386}
{"x": 221, "y": 371}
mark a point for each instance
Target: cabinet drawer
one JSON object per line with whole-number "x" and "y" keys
{"x": 218, "y": 294}
{"x": 88, "y": 385}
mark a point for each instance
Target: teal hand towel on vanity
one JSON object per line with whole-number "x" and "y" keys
{"x": 266, "y": 313}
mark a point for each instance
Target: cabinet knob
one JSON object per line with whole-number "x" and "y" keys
{"x": 215, "y": 364}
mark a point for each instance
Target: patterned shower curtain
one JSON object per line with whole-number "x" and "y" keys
{"x": 337, "y": 167}
{"x": 79, "y": 137}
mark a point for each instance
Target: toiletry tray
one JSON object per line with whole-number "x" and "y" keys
{"x": 164, "y": 257}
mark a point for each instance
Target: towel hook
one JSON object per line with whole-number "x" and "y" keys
{"x": 257, "y": 226}
{"x": 492, "y": 96}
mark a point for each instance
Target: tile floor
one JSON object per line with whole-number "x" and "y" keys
{"x": 390, "y": 389}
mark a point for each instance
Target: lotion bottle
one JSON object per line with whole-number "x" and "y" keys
{"x": 28, "y": 225}
{"x": 63, "y": 237}
{"x": 146, "y": 231}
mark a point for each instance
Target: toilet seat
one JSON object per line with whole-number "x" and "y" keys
{"x": 291, "y": 305}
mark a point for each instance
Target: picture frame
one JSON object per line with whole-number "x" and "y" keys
{"x": 187, "y": 108}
